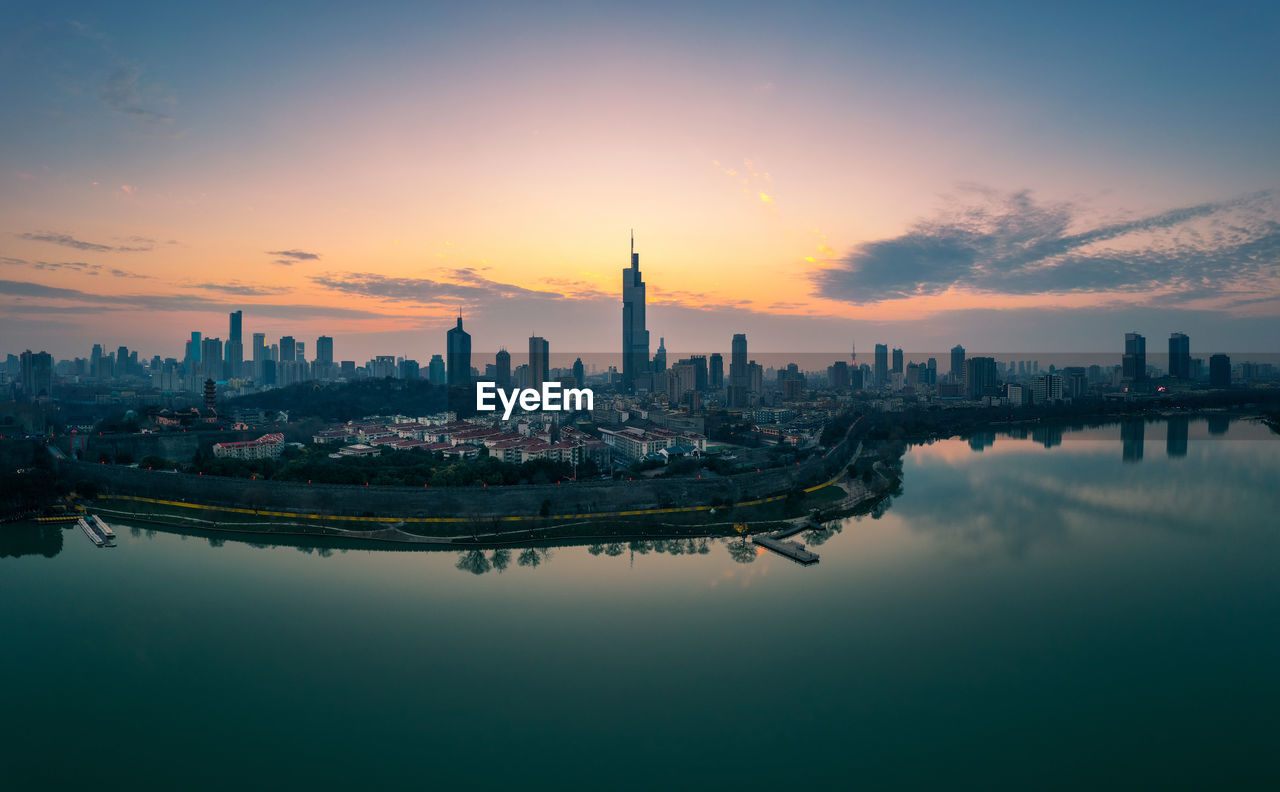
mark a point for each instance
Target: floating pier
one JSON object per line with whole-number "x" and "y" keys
{"x": 793, "y": 550}
{"x": 90, "y": 532}
{"x": 101, "y": 527}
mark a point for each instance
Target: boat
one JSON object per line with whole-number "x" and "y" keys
{"x": 102, "y": 527}
{"x": 90, "y": 532}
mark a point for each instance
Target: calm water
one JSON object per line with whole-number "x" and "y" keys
{"x": 1094, "y": 609}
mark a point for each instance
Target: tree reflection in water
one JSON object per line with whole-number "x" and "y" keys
{"x": 742, "y": 551}
{"x": 19, "y": 539}
{"x": 474, "y": 561}
{"x": 501, "y": 559}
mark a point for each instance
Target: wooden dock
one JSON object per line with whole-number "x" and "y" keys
{"x": 793, "y": 550}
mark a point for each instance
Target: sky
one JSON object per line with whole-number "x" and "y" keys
{"x": 1009, "y": 176}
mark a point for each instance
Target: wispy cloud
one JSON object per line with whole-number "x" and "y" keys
{"x": 465, "y": 285}
{"x": 1013, "y": 244}
{"x": 290, "y": 257}
{"x": 21, "y": 291}
{"x": 136, "y": 244}
{"x": 121, "y": 91}
{"x": 70, "y": 266}
{"x": 240, "y": 289}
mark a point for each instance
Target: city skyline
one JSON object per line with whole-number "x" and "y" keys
{"x": 786, "y": 174}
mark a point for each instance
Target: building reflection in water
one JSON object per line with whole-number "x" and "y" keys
{"x": 1132, "y": 435}
{"x": 981, "y": 440}
{"x": 1219, "y": 424}
{"x": 1048, "y": 435}
{"x": 1176, "y": 440}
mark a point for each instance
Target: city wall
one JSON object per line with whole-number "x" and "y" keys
{"x": 477, "y": 502}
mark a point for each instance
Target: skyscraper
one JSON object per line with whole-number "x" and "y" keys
{"x": 288, "y": 349}
{"x": 715, "y": 379}
{"x": 1134, "y": 362}
{"x": 738, "y": 360}
{"x": 211, "y": 358}
{"x": 880, "y": 371}
{"x": 502, "y": 369}
{"x": 458, "y": 355}
{"x": 957, "y": 362}
{"x": 37, "y": 375}
{"x": 739, "y": 371}
{"x": 660, "y": 357}
{"x": 980, "y": 377}
{"x": 436, "y": 371}
{"x": 579, "y": 373}
{"x": 323, "y": 368}
{"x": 635, "y": 338}
{"x": 540, "y": 361}
{"x": 194, "y": 348}
{"x": 1219, "y": 371}
{"x": 897, "y": 361}
{"x": 1179, "y": 356}
{"x": 234, "y": 348}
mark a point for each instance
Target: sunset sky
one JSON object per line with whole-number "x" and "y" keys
{"x": 1005, "y": 176}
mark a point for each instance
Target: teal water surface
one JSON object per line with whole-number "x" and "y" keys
{"x": 1071, "y": 609}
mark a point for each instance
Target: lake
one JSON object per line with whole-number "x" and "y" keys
{"x": 1058, "y": 609}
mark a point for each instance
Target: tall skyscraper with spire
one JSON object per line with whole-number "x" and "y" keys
{"x": 635, "y": 336}
{"x": 458, "y": 355}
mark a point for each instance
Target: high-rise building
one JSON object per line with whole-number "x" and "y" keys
{"x": 458, "y": 355}
{"x": 715, "y": 376}
{"x": 288, "y": 349}
{"x": 957, "y": 362}
{"x": 324, "y": 350}
{"x": 897, "y": 362}
{"x": 502, "y": 369}
{"x": 95, "y": 362}
{"x": 579, "y": 373}
{"x": 37, "y": 375}
{"x": 1046, "y": 388}
{"x": 738, "y": 360}
{"x": 880, "y": 370}
{"x": 211, "y": 358}
{"x": 436, "y": 371}
{"x": 233, "y": 351}
{"x": 739, "y": 371}
{"x": 540, "y": 361}
{"x": 1134, "y": 363}
{"x": 660, "y": 357}
{"x": 635, "y": 337}
{"x": 1220, "y": 371}
{"x": 1179, "y": 356}
{"x": 838, "y": 375}
{"x": 980, "y": 378}
{"x": 194, "y": 348}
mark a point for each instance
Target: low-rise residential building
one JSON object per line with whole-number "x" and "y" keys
{"x": 268, "y": 446}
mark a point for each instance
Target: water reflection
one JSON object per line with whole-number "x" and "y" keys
{"x": 1020, "y": 500}
{"x": 981, "y": 440}
{"x": 1219, "y": 424}
{"x": 19, "y": 539}
{"x": 1177, "y": 428}
{"x": 1132, "y": 437}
